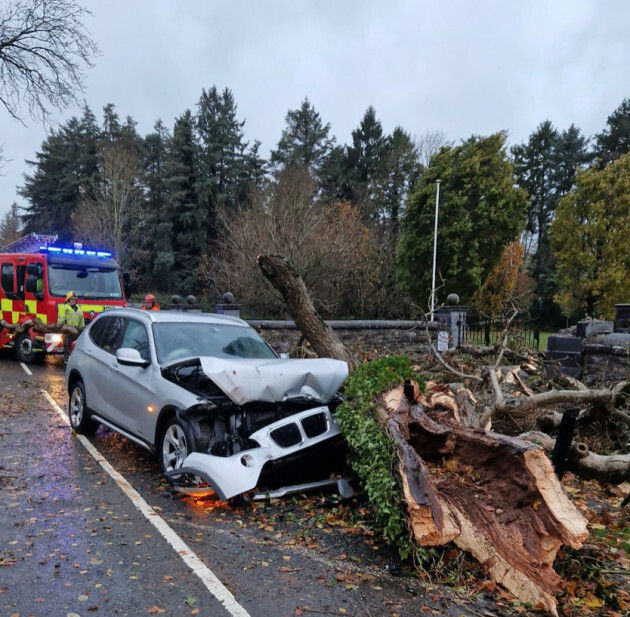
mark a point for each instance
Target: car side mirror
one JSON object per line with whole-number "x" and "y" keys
{"x": 130, "y": 357}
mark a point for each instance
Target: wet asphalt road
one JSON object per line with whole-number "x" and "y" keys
{"x": 76, "y": 542}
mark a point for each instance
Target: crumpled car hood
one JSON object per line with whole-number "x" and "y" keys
{"x": 276, "y": 379}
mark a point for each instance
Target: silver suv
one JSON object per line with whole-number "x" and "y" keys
{"x": 204, "y": 392}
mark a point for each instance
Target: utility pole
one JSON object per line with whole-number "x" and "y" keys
{"x": 435, "y": 231}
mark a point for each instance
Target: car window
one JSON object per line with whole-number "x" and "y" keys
{"x": 176, "y": 340}
{"x": 110, "y": 340}
{"x": 136, "y": 337}
{"x": 96, "y": 330}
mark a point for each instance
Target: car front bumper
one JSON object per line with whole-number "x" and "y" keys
{"x": 236, "y": 474}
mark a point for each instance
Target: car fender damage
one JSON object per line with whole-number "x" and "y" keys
{"x": 254, "y": 412}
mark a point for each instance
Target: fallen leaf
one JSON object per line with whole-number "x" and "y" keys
{"x": 155, "y": 609}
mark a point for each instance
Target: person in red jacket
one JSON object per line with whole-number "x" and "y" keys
{"x": 150, "y": 303}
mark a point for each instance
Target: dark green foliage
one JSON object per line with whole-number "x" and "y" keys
{"x": 545, "y": 167}
{"x": 304, "y": 141}
{"x": 480, "y": 212}
{"x": 614, "y": 140}
{"x": 220, "y": 162}
{"x": 373, "y": 456}
{"x": 67, "y": 162}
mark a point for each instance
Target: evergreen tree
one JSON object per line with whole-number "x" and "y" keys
{"x": 10, "y": 226}
{"x": 157, "y": 241}
{"x": 402, "y": 169}
{"x": 535, "y": 167}
{"x": 335, "y": 176}
{"x": 545, "y": 167}
{"x": 614, "y": 140}
{"x": 304, "y": 141}
{"x": 66, "y": 163}
{"x": 186, "y": 212}
{"x": 366, "y": 160}
{"x": 480, "y": 211}
{"x": 221, "y": 159}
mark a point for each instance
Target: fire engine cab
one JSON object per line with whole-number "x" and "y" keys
{"x": 36, "y": 275}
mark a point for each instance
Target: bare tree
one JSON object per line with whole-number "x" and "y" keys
{"x": 43, "y": 49}
{"x": 428, "y": 144}
{"x": 328, "y": 245}
{"x": 108, "y": 213}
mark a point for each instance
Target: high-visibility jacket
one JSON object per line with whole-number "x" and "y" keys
{"x": 71, "y": 316}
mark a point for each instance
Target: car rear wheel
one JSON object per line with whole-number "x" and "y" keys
{"x": 177, "y": 442}
{"x": 78, "y": 411}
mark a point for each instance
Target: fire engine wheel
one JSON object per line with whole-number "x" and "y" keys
{"x": 176, "y": 443}
{"x": 78, "y": 411}
{"x": 24, "y": 350}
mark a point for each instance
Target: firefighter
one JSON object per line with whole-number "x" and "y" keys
{"x": 70, "y": 315}
{"x": 150, "y": 303}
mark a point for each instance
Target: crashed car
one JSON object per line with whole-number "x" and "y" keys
{"x": 203, "y": 392}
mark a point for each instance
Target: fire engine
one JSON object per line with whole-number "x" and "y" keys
{"x": 35, "y": 276}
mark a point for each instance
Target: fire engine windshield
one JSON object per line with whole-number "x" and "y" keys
{"x": 91, "y": 282}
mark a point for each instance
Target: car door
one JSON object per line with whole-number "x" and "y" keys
{"x": 105, "y": 335}
{"x": 131, "y": 388}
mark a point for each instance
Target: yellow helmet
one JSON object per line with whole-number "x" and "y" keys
{"x": 70, "y": 294}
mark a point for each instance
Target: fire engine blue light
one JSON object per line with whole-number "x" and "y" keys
{"x": 69, "y": 251}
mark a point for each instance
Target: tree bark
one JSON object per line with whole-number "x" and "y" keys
{"x": 39, "y": 326}
{"x": 281, "y": 273}
{"x": 614, "y": 468}
{"x": 494, "y": 496}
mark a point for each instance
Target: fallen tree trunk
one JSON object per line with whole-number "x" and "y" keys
{"x": 39, "y": 326}
{"x": 494, "y": 496}
{"x": 614, "y": 468}
{"x": 281, "y": 273}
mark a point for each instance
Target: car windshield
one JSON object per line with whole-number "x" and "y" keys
{"x": 86, "y": 282}
{"x": 176, "y": 340}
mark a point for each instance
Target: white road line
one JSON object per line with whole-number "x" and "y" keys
{"x": 26, "y": 369}
{"x": 207, "y": 577}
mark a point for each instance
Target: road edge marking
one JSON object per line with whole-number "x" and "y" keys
{"x": 26, "y": 369}
{"x": 207, "y": 577}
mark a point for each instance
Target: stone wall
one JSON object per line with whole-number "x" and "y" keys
{"x": 365, "y": 339}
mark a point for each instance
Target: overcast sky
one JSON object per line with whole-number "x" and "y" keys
{"x": 462, "y": 67}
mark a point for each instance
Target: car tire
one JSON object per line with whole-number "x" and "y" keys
{"x": 24, "y": 350}
{"x": 176, "y": 443}
{"x": 78, "y": 411}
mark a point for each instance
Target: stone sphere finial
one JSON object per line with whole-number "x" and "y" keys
{"x": 452, "y": 300}
{"x": 228, "y": 298}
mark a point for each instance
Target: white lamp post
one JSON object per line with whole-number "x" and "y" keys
{"x": 437, "y": 206}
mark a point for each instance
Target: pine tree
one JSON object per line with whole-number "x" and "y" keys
{"x": 614, "y": 140}
{"x": 10, "y": 226}
{"x": 157, "y": 242}
{"x": 304, "y": 141}
{"x": 67, "y": 162}
{"x": 186, "y": 212}
{"x": 221, "y": 159}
